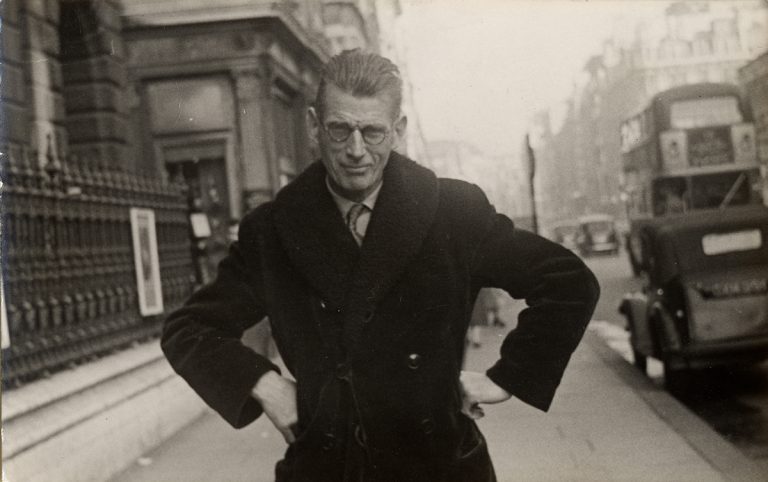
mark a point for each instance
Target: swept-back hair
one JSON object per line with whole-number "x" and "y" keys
{"x": 362, "y": 74}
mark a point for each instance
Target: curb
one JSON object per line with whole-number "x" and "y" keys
{"x": 721, "y": 454}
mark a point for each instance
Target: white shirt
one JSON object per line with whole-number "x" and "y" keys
{"x": 345, "y": 205}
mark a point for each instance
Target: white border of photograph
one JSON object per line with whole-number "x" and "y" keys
{"x": 5, "y": 338}
{"x": 147, "y": 262}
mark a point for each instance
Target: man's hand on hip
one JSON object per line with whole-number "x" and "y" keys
{"x": 477, "y": 388}
{"x": 277, "y": 396}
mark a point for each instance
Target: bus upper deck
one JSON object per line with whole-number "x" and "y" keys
{"x": 693, "y": 147}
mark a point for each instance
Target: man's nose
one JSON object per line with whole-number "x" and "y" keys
{"x": 356, "y": 144}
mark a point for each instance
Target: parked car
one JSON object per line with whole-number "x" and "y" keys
{"x": 597, "y": 234}
{"x": 705, "y": 299}
{"x": 565, "y": 233}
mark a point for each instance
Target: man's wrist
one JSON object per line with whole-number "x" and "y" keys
{"x": 494, "y": 376}
{"x": 266, "y": 386}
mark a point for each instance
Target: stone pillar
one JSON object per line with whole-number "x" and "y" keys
{"x": 13, "y": 116}
{"x": 37, "y": 105}
{"x": 255, "y": 132}
{"x": 93, "y": 63}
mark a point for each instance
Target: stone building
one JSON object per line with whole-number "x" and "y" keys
{"x": 754, "y": 80}
{"x": 191, "y": 110}
{"x": 216, "y": 96}
{"x": 705, "y": 41}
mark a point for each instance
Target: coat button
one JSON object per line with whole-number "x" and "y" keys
{"x": 427, "y": 426}
{"x": 359, "y": 435}
{"x": 342, "y": 371}
{"x": 326, "y": 306}
{"x": 329, "y": 440}
{"x": 414, "y": 361}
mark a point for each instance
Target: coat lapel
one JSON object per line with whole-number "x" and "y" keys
{"x": 314, "y": 236}
{"x": 321, "y": 247}
{"x": 401, "y": 219}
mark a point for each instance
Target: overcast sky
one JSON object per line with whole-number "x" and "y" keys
{"x": 481, "y": 68}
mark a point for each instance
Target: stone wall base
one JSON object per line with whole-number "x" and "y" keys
{"x": 91, "y": 422}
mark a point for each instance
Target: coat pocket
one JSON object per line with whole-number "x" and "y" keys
{"x": 312, "y": 412}
{"x": 472, "y": 462}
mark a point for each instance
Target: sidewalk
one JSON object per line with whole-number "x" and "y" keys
{"x": 607, "y": 423}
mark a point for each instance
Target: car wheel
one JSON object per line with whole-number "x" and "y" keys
{"x": 633, "y": 263}
{"x": 676, "y": 380}
{"x": 640, "y": 361}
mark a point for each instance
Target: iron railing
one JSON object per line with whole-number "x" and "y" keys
{"x": 68, "y": 268}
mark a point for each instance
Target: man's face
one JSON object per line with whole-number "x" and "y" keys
{"x": 355, "y": 165}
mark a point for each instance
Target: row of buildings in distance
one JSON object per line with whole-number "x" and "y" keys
{"x": 577, "y": 145}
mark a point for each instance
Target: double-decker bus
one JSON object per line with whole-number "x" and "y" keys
{"x": 691, "y": 149}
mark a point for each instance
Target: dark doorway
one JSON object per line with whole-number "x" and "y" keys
{"x": 208, "y": 202}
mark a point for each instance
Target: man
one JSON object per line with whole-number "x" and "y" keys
{"x": 367, "y": 266}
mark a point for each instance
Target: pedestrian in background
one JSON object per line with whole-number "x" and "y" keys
{"x": 367, "y": 266}
{"x": 484, "y": 314}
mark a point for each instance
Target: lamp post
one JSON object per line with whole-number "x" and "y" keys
{"x": 531, "y": 175}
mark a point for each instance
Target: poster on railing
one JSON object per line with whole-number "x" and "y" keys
{"x": 148, "y": 284}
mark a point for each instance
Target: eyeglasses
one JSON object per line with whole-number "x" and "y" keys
{"x": 340, "y": 132}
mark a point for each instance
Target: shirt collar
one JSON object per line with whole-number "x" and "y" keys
{"x": 345, "y": 204}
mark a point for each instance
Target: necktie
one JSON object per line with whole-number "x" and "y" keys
{"x": 353, "y": 215}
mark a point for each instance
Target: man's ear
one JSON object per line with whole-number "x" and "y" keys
{"x": 400, "y": 129}
{"x": 313, "y": 126}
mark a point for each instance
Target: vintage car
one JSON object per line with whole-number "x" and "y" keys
{"x": 565, "y": 233}
{"x": 705, "y": 298}
{"x": 597, "y": 234}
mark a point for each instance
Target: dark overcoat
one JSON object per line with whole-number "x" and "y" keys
{"x": 375, "y": 335}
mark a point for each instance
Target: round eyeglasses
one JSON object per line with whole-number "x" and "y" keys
{"x": 340, "y": 132}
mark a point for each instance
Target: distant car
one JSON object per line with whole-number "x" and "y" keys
{"x": 705, "y": 301}
{"x": 597, "y": 234}
{"x": 565, "y": 233}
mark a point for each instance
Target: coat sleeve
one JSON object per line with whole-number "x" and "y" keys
{"x": 202, "y": 339}
{"x": 560, "y": 293}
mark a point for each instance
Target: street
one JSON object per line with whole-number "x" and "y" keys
{"x": 733, "y": 401}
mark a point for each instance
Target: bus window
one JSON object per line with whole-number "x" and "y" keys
{"x": 670, "y": 196}
{"x": 712, "y": 191}
{"x": 706, "y": 112}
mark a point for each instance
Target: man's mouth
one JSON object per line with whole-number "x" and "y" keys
{"x": 355, "y": 169}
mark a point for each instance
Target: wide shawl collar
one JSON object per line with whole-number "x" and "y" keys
{"x": 320, "y": 246}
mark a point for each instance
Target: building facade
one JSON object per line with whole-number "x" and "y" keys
{"x": 217, "y": 99}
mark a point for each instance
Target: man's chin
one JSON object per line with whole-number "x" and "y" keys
{"x": 355, "y": 183}
{"x": 352, "y": 189}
